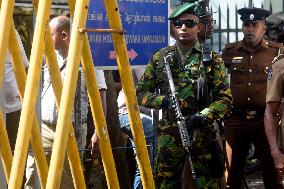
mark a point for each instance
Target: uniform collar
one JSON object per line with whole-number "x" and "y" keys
{"x": 197, "y": 46}
{"x": 241, "y": 44}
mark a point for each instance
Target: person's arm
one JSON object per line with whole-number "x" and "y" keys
{"x": 103, "y": 98}
{"x": 25, "y": 59}
{"x": 222, "y": 97}
{"x": 147, "y": 85}
{"x": 271, "y": 125}
{"x": 102, "y": 89}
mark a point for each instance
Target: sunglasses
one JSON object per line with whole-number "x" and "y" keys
{"x": 188, "y": 23}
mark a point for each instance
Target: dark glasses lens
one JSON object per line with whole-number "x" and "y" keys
{"x": 188, "y": 23}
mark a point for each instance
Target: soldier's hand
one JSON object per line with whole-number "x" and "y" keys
{"x": 168, "y": 105}
{"x": 166, "y": 102}
{"x": 197, "y": 120}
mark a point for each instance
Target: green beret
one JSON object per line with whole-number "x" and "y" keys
{"x": 192, "y": 8}
{"x": 204, "y": 7}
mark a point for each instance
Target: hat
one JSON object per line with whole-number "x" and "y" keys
{"x": 204, "y": 6}
{"x": 192, "y": 8}
{"x": 253, "y": 13}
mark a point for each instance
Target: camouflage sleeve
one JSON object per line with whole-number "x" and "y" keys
{"x": 222, "y": 97}
{"x": 147, "y": 86}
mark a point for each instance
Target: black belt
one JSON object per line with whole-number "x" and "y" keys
{"x": 248, "y": 114}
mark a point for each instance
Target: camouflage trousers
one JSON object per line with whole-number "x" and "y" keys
{"x": 170, "y": 158}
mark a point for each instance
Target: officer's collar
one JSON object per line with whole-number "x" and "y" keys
{"x": 263, "y": 44}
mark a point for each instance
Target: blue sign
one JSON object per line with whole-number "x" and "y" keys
{"x": 146, "y": 25}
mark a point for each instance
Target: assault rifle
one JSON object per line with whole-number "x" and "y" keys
{"x": 186, "y": 142}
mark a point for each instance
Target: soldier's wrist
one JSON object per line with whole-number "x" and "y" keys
{"x": 165, "y": 102}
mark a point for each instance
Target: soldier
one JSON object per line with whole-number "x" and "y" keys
{"x": 204, "y": 37}
{"x": 188, "y": 70}
{"x": 249, "y": 61}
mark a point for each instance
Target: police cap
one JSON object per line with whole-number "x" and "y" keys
{"x": 253, "y": 13}
{"x": 192, "y": 8}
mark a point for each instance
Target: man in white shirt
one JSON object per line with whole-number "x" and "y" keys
{"x": 60, "y": 30}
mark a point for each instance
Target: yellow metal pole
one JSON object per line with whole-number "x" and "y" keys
{"x": 6, "y": 13}
{"x": 20, "y": 74}
{"x": 98, "y": 116}
{"x": 28, "y": 107}
{"x": 73, "y": 154}
{"x": 68, "y": 92}
{"x": 97, "y": 110}
{"x": 5, "y": 149}
{"x": 56, "y": 80}
{"x": 130, "y": 94}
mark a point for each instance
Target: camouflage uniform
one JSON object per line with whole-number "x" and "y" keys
{"x": 171, "y": 154}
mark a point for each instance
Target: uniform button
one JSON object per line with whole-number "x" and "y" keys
{"x": 235, "y": 68}
{"x": 248, "y": 99}
{"x": 250, "y": 70}
{"x": 266, "y": 68}
{"x": 251, "y": 57}
{"x": 249, "y": 84}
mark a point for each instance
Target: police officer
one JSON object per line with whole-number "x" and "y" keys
{"x": 275, "y": 134}
{"x": 249, "y": 61}
{"x": 186, "y": 67}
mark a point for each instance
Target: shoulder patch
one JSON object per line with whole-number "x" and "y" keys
{"x": 280, "y": 56}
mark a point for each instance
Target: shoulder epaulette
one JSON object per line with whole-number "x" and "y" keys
{"x": 231, "y": 45}
{"x": 168, "y": 48}
{"x": 280, "y": 56}
{"x": 274, "y": 44}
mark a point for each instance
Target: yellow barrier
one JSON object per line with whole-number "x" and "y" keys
{"x": 28, "y": 106}
{"x": 6, "y": 13}
{"x": 130, "y": 95}
{"x": 20, "y": 74}
{"x": 79, "y": 40}
{"x": 97, "y": 110}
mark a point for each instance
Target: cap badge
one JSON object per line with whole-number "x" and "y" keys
{"x": 251, "y": 17}
{"x": 207, "y": 8}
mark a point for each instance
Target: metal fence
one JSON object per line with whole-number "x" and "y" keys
{"x": 224, "y": 32}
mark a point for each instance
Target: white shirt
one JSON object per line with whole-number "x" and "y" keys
{"x": 12, "y": 98}
{"x": 49, "y": 111}
{"x": 137, "y": 73}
